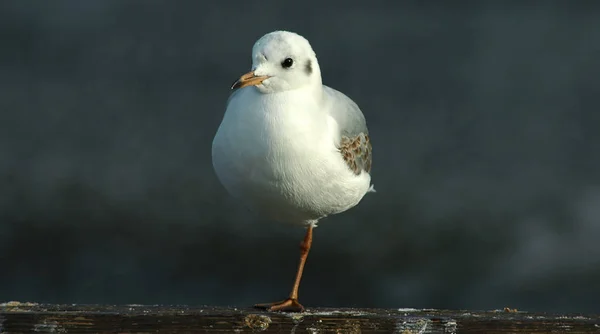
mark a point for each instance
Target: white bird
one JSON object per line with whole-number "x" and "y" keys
{"x": 288, "y": 146}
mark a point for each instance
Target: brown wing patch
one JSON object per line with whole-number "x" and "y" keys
{"x": 357, "y": 153}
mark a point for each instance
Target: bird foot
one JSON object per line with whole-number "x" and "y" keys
{"x": 288, "y": 305}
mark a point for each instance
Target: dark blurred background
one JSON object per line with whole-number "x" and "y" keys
{"x": 484, "y": 117}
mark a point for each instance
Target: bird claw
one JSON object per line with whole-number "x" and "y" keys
{"x": 288, "y": 305}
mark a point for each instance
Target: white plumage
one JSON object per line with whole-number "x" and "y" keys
{"x": 278, "y": 147}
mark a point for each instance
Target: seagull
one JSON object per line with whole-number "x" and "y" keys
{"x": 289, "y": 147}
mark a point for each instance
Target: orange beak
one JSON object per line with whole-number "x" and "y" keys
{"x": 249, "y": 79}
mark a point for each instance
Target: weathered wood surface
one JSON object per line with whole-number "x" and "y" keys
{"x": 30, "y": 317}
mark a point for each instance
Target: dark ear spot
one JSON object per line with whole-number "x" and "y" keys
{"x": 308, "y": 67}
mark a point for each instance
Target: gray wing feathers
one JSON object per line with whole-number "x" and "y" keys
{"x": 355, "y": 144}
{"x": 346, "y": 113}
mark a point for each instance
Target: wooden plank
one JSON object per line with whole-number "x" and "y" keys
{"x": 18, "y": 317}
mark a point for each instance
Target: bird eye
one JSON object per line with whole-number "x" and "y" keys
{"x": 287, "y": 63}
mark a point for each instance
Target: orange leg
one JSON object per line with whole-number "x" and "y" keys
{"x": 291, "y": 303}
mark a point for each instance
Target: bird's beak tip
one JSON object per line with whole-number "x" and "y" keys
{"x": 249, "y": 79}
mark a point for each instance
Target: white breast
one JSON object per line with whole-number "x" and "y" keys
{"x": 277, "y": 154}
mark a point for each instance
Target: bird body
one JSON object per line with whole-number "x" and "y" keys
{"x": 279, "y": 154}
